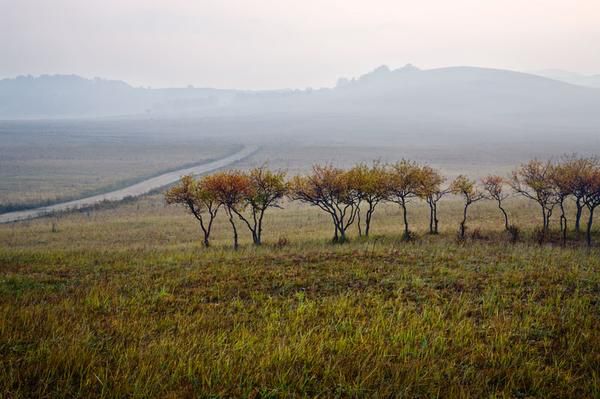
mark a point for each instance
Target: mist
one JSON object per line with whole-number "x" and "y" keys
{"x": 263, "y": 44}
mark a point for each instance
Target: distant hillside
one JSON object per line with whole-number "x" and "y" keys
{"x": 571, "y": 77}
{"x": 68, "y": 96}
{"x": 463, "y": 95}
{"x": 59, "y": 96}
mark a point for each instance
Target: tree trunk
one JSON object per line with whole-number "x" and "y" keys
{"x": 358, "y": 222}
{"x": 435, "y": 219}
{"x": 340, "y": 231}
{"x": 368, "y": 220}
{"x": 235, "y": 233}
{"x": 260, "y": 226}
{"x": 405, "y": 217}
{"x": 206, "y": 233}
{"x": 578, "y": 215}
{"x": 563, "y": 223}
{"x": 505, "y": 215}
{"x": 342, "y": 235}
{"x": 335, "y": 224}
{"x": 431, "y": 217}
{"x": 544, "y": 220}
{"x": 205, "y": 230}
{"x": 464, "y": 222}
{"x": 589, "y": 227}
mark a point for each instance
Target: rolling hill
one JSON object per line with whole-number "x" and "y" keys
{"x": 459, "y": 93}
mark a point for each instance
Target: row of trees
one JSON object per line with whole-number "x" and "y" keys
{"x": 351, "y": 196}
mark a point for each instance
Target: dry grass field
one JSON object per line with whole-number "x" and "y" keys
{"x": 39, "y": 167}
{"x": 123, "y": 301}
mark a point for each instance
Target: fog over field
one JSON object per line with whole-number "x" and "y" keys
{"x": 399, "y": 107}
{"x": 460, "y": 119}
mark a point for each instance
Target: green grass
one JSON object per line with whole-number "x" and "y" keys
{"x": 123, "y": 302}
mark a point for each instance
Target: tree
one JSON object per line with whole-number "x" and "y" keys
{"x": 230, "y": 189}
{"x": 563, "y": 178}
{"x": 533, "y": 180}
{"x": 592, "y": 199}
{"x": 468, "y": 190}
{"x": 199, "y": 201}
{"x": 266, "y": 189}
{"x": 329, "y": 189}
{"x": 580, "y": 169}
{"x": 371, "y": 186}
{"x": 404, "y": 184}
{"x": 430, "y": 189}
{"x": 494, "y": 187}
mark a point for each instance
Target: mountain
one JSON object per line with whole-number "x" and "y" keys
{"x": 571, "y": 77}
{"x": 489, "y": 98}
{"x": 455, "y": 94}
{"x": 67, "y": 95}
{"x": 71, "y": 96}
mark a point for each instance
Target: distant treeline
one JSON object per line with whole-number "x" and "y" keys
{"x": 351, "y": 196}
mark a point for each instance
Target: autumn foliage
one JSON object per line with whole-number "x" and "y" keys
{"x": 351, "y": 196}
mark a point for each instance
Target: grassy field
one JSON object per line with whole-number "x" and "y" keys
{"x": 123, "y": 301}
{"x": 43, "y": 162}
{"x": 39, "y": 167}
{"x": 66, "y": 168}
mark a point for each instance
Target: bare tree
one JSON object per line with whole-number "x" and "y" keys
{"x": 329, "y": 189}
{"x": 468, "y": 190}
{"x": 200, "y": 202}
{"x": 430, "y": 189}
{"x": 563, "y": 178}
{"x": 592, "y": 199}
{"x": 579, "y": 169}
{"x": 404, "y": 184}
{"x": 533, "y": 180}
{"x": 494, "y": 187}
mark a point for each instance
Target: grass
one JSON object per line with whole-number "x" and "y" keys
{"x": 40, "y": 167}
{"x": 123, "y": 302}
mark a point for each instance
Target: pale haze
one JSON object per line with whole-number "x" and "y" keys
{"x": 278, "y": 44}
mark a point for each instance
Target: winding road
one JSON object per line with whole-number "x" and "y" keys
{"x": 134, "y": 190}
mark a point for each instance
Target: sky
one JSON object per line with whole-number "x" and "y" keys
{"x": 268, "y": 44}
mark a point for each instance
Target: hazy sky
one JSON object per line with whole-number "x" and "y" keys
{"x": 284, "y": 43}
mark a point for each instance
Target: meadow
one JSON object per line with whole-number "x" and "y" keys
{"x": 41, "y": 164}
{"x": 123, "y": 301}
{"x": 49, "y": 161}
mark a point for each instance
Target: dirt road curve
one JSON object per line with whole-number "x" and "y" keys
{"x": 135, "y": 190}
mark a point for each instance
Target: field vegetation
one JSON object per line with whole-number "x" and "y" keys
{"x": 124, "y": 300}
{"x": 342, "y": 193}
{"x": 38, "y": 167}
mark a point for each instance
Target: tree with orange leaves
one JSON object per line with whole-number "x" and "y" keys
{"x": 371, "y": 185}
{"x": 563, "y": 177}
{"x": 468, "y": 190}
{"x": 430, "y": 189}
{"x": 230, "y": 189}
{"x": 199, "y": 201}
{"x": 329, "y": 189}
{"x": 404, "y": 184}
{"x": 266, "y": 190}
